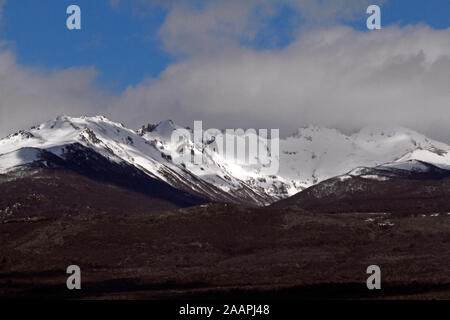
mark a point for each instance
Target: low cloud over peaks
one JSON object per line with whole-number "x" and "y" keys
{"x": 29, "y": 96}
{"x": 337, "y": 77}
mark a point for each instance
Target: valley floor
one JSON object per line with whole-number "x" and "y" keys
{"x": 222, "y": 251}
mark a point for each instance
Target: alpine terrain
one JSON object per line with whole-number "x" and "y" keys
{"x": 138, "y": 164}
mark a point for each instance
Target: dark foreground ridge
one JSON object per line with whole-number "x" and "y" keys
{"x": 85, "y": 182}
{"x": 221, "y": 251}
{"x": 395, "y": 191}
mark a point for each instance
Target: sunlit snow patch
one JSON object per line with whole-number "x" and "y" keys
{"x": 17, "y": 158}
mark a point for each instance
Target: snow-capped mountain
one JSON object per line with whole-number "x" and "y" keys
{"x": 147, "y": 151}
{"x": 315, "y": 154}
{"x": 405, "y": 186}
{"x": 306, "y": 158}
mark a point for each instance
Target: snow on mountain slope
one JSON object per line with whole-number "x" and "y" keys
{"x": 308, "y": 157}
{"x": 117, "y": 143}
{"x": 316, "y": 154}
{"x": 438, "y": 157}
{"x": 405, "y": 186}
{"x": 227, "y": 174}
{"x": 17, "y": 158}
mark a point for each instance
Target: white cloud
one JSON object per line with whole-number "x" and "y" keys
{"x": 215, "y": 26}
{"x": 335, "y": 77}
{"x": 30, "y": 96}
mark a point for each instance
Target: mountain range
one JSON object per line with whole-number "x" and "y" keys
{"x": 94, "y": 163}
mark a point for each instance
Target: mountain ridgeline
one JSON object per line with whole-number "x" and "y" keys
{"x": 71, "y": 165}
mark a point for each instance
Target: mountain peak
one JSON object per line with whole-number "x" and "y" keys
{"x": 163, "y": 129}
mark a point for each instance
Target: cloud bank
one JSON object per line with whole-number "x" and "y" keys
{"x": 31, "y": 96}
{"x": 215, "y": 26}
{"x": 335, "y": 77}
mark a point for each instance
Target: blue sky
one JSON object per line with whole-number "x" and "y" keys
{"x": 120, "y": 43}
{"x": 123, "y": 42}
